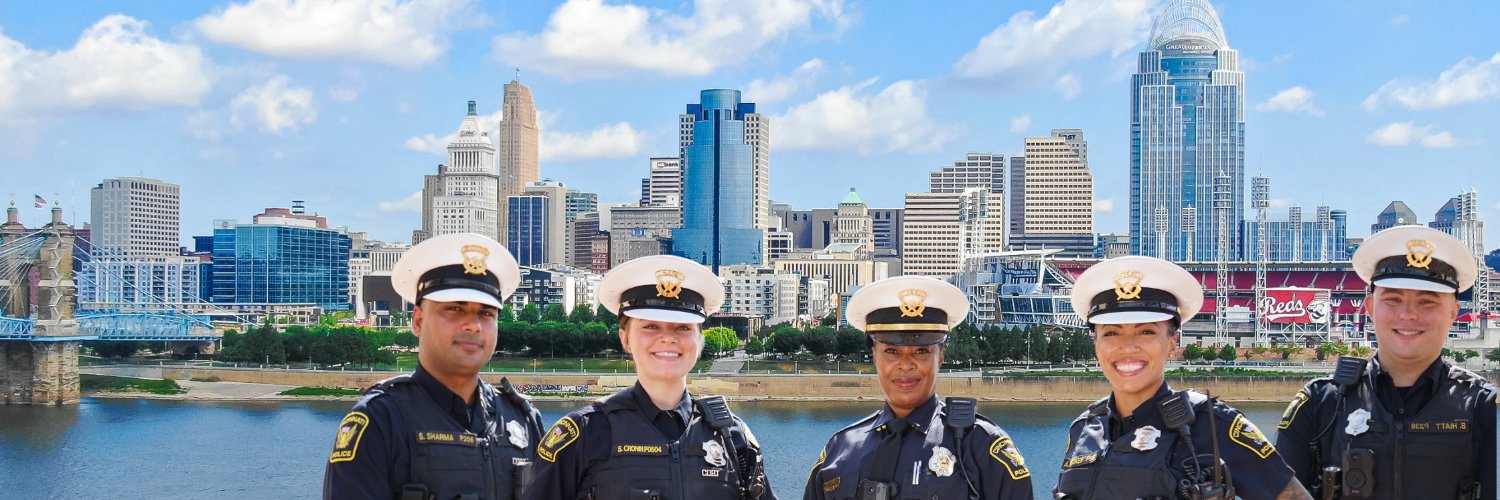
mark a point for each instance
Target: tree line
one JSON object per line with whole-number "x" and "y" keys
{"x": 967, "y": 343}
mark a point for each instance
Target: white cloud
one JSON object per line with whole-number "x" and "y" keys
{"x": 1468, "y": 81}
{"x": 1291, "y": 100}
{"x": 1104, "y": 206}
{"x": 399, "y": 33}
{"x": 429, "y": 143}
{"x": 618, "y": 140}
{"x": 592, "y": 39}
{"x": 1026, "y": 48}
{"x": 781, "y": 87}
{"x": 114, "y": 64}
{"x": 343, "y": 94}
{"x": 853, "y": 119}
{"x": 1405, "y": 133}
{"x": 412, "y": 203}
{"x": 1400, "y": 20}
{"x": 275, "y": 106}
{"x": 1020, "y": 124}
{"x": 1069, "y": 86}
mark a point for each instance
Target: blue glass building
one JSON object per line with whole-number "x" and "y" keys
{"x": 1324, "y": 239}
{"x": 1187, "y": 127}
{"x": 526, "y": 229}
{"x": 274, "y": 263}
{"x": 723, "y": 182}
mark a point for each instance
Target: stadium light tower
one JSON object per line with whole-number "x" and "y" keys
{"x": 1260, "y": 199}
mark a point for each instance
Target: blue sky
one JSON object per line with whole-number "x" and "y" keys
{"x": 252, "y": 103}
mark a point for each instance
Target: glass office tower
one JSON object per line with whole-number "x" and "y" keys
{"x": 723, "y": 147}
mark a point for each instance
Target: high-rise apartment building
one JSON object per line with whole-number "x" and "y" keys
{"x": 461, "y": 197}
{"x": 664, "y": 187}
{"x": 726, "y": 202}
{"x": 1187, "y": 137}
{"x": 519, "y": 163}
{"x": 136, "y": 216}
{"x": 1057, "y": 196}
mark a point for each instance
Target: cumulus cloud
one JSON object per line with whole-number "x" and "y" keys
{"x": 1405, "y": 133}
{"x": 592, "y": 39}
{"x": 1104, "y": 206}
{"x": 1470, "y": 80}
{"x": 853, "y": 118}
{"x": 1292, "y": 100}
{"x": 114, "y": 64}
{"x": 412, "y": 203}
{"x": 1026, "y": 47}
{"x": 781, "y": 87}
{"x": 1069, "y": 86}
{"x": 431, "y": 143}
{"x": 1020, "y": 124}
{"x": 618, "y": 140}
{"x": 398, "y": 33}
{"x": 275, "y": 106}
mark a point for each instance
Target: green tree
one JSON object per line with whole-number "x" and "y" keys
{"x": 405, "y": 338}
{"x": 1080, "y": 346}
{"x": 718, "y": 340}
{"x": 581, "y": 314}
{"x": 554, "y": 312}
{"x": 786, "y": 341}
{"x": 1036, "y": 344}
{"x": 507, "y": 313}
{"x": 851, "y": 343}
{"x": 820, "y": 341}
{"x": 832, "y": 319}
{"x": 1494, "y": 354}
{"x": 1287, "y": 350}
{"x": 117, "y": 348}
{"x": 530, "y": 314}
{"x": 1228, "y": 353}
{"x": 1192, "y": 352}
{"x": 756, "y": 346}
{"x": 606, "y": 317}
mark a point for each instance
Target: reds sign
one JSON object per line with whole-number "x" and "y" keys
{"x": 1295, "y": 305}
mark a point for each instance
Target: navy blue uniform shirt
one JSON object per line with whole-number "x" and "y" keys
{"x": 993, "y": 463}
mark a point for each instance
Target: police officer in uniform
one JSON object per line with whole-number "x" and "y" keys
{"x": 1145, "y": 440}
{"x": 654, "y": 441}
{"x": 1404, "y": 423}
{"x": 916, "y": 446}
{"x": 441, "y": 432}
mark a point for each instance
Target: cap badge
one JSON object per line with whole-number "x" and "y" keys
{"x": 474, "y": 259}
{"x": 912, "y": 302}
{"x": 1419, "y": 253}
{"x": 668, "y": 283}
{"x": 1128, "y": 285}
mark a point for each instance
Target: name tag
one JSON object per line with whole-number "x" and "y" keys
{"x": 1449, "y": 426}
{"x": 640, "y": 449}
{"x": 453, "y": 438}
{"x": 1080, "y": 460}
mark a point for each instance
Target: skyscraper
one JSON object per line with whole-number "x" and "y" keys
{"x": 461, "y": 197}
{"x": 664, "y": 187}
{"x": 1187, "y": 137}
{"x": 136, "y": 216}
{"x": 1057, "y": 196}
{"x": 134, "y": 260}
{"x": 283, "y": 257}
{"x": 538, "y": 231}
{"x": 519, "y": 137}
{"x": 1395, "y": 214}
{"x": 726, "y": 202}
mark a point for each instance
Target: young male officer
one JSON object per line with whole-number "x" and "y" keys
{"x": 1405, "y": 423}
{"x": 917, "y": 446}
{"x": 441, "y": 432}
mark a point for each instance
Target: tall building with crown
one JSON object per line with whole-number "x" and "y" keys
{"x": 461, "y": 197}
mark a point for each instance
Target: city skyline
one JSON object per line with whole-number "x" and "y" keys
{"x": 243, "y": 118}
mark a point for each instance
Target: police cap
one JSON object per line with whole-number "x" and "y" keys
{"x": 662, "y": 288}
{"x": 907, "y": 310}
{"x": 1416, "y": 258}
{"x": 463, "y": 267}
{"x": 1136, "y": 289}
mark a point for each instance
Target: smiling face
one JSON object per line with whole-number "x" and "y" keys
{"x": 908, "y": 374}
{"x": 662, "y": 351}
{"x": 455, "y": 338}
{"x": 1133, "y": 357}
{"x": 1411, "y": 325}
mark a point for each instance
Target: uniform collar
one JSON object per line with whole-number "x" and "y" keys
{"x": 1143, "y": 414}
{"x": 642, "y": 400}
{"x": 446, "y": 399}
{"x": 919, "y": 418}
{"x": 1432, "y": 375}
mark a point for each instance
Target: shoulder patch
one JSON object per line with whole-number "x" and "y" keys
{"x": 1247, "y": 435}
{"x": 351, "y": 429}
{"x": 1292, "y": 408}
{"x": 822, "y": 455}
{"x": 1003, "y": 450}
{"x": 563, "y": 433}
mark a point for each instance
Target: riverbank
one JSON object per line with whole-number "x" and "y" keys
{"x": 254, "y": 384}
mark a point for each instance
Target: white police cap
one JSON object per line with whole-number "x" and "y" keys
{"x": 464, "y": 267}
{"x": 1416, "y": 258}
{"x": 1136, "y": 289}
{"x": 907, "y": 310}
{"x": 662, "y": 288}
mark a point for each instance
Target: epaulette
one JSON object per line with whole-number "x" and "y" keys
{"x": 1096, "y": 408}
{"x": 862, "y": 421}
{"x": 617, "y": 401}
{"x": 387, "y": 384}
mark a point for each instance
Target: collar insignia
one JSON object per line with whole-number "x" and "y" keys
{"x": 668, "y": 283}
{"x": 1419, "y": 253}
{"x": 912, "y": 300}
{"x": 474, "y": 259}
{"x": 1128, "y": 285}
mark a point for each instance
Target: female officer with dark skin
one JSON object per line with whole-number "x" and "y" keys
{"x": 653, "y": 441}
{"x": 1141, "y": 440}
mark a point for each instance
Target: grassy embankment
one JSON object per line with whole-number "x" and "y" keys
{"x": 321, "y": 391}
{"x": 104, "y": 383}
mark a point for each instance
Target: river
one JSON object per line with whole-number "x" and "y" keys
{"x": 128, "y": 448}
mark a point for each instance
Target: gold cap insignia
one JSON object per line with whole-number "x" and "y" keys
{"x": 912, "y": 300}
{"x": 1419, "y": 253}
{"x": 668, "y": 283}
{"x": 1128, "y": 285}
{"x": 474, "y": 259}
